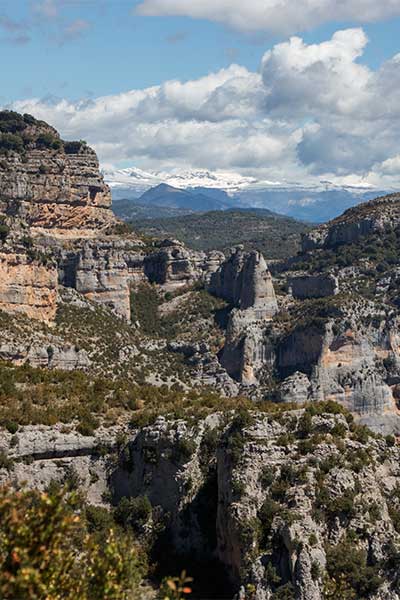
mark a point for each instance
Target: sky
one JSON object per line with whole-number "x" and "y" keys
{"x": 284, "y": 91}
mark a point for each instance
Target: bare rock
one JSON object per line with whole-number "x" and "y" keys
{"x": 314, "y": 286}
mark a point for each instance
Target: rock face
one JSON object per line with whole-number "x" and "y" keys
{"x": 356, "y": 222}
{"x": 103, "y": 271}
{"x": 280, "y": 499}
{"x": 245, "y": 282}
{"x": 55, "y": 187}
{"x": 295, "y": 552}
{"x": 27, "y": 286}
{"x": 345, "y": 368}
{"x": 314, "y": 286}
{"x": 54, "y": 201}
{"x": 174, "y": 266}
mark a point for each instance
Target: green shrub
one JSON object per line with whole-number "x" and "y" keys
{"x": 285, "y": 592}
{"x": 267, "y": 477}
{"x": 133, "y": 512}
{"x": 47, "y": 141}
{"x": 144, "y": 308}
{"x": 4, "y": 231}
{"x": 304, "y": 427}
{"x": 46, "y": 552}
{"x": 5, "y": 461}
{"x": 184, "y": 450}
{"x": 9, "y": 141}
{"x": 266, "y": 515}
{"x": 11, "y": 427}
{"x": 349, "y": 575}
{"x": 73, "y": 147}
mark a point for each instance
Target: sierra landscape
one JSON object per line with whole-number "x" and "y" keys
{"x": 199, "y": 300}
{"x": 241, "y": 410}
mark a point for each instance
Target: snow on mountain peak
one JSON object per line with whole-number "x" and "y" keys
{"x": 139, "y": 180}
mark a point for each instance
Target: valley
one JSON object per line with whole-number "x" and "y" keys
{"x": 217, "y": 391}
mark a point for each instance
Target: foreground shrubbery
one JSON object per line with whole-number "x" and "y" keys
{"x": 47, "y": 552}
{"x": 53, "y": 547}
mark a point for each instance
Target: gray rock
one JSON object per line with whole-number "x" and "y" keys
{"x": 314, "y": 286}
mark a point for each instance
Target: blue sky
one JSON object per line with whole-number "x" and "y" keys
{"x": 60, "y": 53}
{"x": 120, "y": 50}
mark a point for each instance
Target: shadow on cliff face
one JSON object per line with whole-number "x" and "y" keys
{"x": 211, "y": 581}
{"x": 299, "y": 351}
{"x": 221, "y": 316}
{"x": 181, "y": 532}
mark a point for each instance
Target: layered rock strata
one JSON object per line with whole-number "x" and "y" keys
{"x": 57, "y": 193}
{"x": 28, "y": 286}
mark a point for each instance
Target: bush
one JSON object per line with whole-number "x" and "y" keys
{"x": 266, "y": 515}
{"x": 9, "y": 141}
{"x": 11, "y": 427}
{"x": 349, "y": 576}
{"x": 5, "y": 461}
{"x": 285, "y": 592}
{"x": 267, "y": 477}
{"x": 4, "y": 231}
{"x": 144, "y": 308}
{"x": 73, "y": 147}
{"x": 133, "y": 512}
{"x": 184, "y": 450}
{"x": 46, "y": 552}
{"x": 48, "y": 141}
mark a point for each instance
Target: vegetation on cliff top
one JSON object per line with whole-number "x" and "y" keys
{"x": 19, "y": 133}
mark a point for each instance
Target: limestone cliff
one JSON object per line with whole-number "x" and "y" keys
{"x": 53, "y": 186}
{"x": 28, "y": 286}
{"x": 285, "y": 500}
{"x": 174, "y": 266}
{"x": 246, "y": 283}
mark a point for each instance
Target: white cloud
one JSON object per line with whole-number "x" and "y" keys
{"x": 312, "y": 112}
{"x": 302, "y": 78}
{"x": 276, "y": 16}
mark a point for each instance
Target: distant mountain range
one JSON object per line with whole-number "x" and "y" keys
{"x": 136, "y": 181}
{"x": 200, "y": 191}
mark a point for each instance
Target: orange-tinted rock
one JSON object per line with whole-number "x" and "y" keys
{"x": 28, "y": 287}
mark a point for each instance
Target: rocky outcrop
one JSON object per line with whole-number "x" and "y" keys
{"x": 281, "y": 532}
{"x": 43, "y": 455}
{"x": 28, "y": 286}
{"x": 54, "y": 186}
{"x": 174, "y": 265}
{"x": 280, "y": 499}
{"x": 364, "y": 219}
{"x": 103, "y": 271}
{"x": 245, "y": 282}
{"x": 314, "y": 286}
{"x": 354, "y": 365}
{"x": 295, "y": 389}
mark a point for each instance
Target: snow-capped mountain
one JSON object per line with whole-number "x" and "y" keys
{"x": 138, "y": 181}
{"x": 318, "y": 201}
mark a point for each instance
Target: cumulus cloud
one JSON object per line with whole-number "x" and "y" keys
{"x": 302, "y": 78}
{"x": 312, "y": 112}
{"x": 276, "y": 16}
